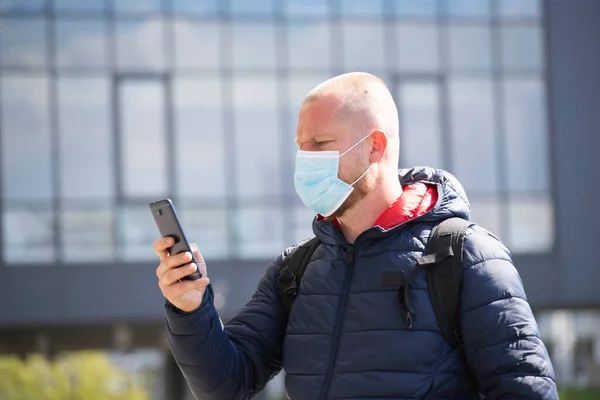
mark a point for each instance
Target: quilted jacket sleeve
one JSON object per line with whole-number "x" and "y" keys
{"x": 236, "y": 361}
{"x": 500, "y": 334}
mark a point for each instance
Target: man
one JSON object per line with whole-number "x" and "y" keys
{"x": 346, "y": 337}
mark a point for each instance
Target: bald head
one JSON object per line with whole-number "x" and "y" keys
{"x": 363, "y": 100}
{"x": 359, "y": 103}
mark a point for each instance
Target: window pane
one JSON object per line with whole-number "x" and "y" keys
{"x": 137, "y": 233}
{"x": 309, "y": 45}
{"x": 420, "y": 8}
{"x": 521, "y": 47}
{"x": 526, "y": 135}
{"x": 486, "y": 212}
{"x": 257, "y": 139}
{"x": 137, "y": 5}
{"x": 254, "y": 45}
{"x": 417, "y": 47}
{"x": 473, "y": 136}
{"x": 421, "y": 142}
{"x": 87, "y": 235}
{"x": 197, "y": 45}
{"x": 254, "y": 7}
{"x": 362, "y": 8}
{"x": 195, "y": 6}
{"x": 140, "y": 45}
{"x": 143, "y": 151}
{"x": 363, "y": 46}
{"x": 207, "y": 227}
{"x": 531, "y": 224}
{"x": 28, "y": 235}
{"x": 26, "y": 148}
{"x": 80, "y": 43}
{"x": 303, "y": 218}
{"x": 87, "y": 5}
{"x": 23, "y": 42}
{"x": 86, "y": 154}
{"x": 28, "y": 5}
{"x": 468, "y": 8}
{"x": 199, "y": 145}
{"x": 260, "y": 230}
{"x": 306, "y": 8}
{"x": 470, "y": 47}
{"x": 519, "y": 8}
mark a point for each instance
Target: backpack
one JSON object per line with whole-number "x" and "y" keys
{"x": 443, "y": 264}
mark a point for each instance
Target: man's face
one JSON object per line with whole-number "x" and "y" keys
{"x": 320, "y": 128}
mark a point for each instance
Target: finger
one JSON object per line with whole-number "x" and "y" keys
{"x": 161, "y": 247}
{"x": 199, "y": 258}
{"x": 180, "y": 288}
{"x": 174, "y": 275}
{"x": 172, "y": 262}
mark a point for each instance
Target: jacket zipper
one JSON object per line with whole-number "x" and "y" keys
{"x": 338, "y": 321}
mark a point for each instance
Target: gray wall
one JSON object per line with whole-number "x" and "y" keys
{"x": 568, "y": 277}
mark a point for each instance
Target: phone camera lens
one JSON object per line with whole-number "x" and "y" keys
{"x": 160, "y": 212}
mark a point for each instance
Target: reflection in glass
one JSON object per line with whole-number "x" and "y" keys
{"x": 26, "y": 147}
{"x": 137, "y": 5}
{"x": 421, "y": 142}
{"x": 81, "y": 43}
{"x": 526, "y": 135}
{"x": 199, "y": 139}
{"x": 23, "y": 42}
{"x": 79, "y": 5}
{"x": 521, "y": 47}
{"x": 142, "y": 136}
{"x": 303, "y": 218}
{"x": 362, "y": 8}
{"x": 470, "y": 47}
{"x": 140, "y": 45}
{"x": 197, "y": 44}
{"x": 519, "y": 8}
{"x": 254, "y": 45}
{"x": 309, "y": 45}
{"x": 417, "y": 47}
{"x": 137, "y": 233}
{"x": 195, "y": 6}
{"x": 473, "y": 136}
{"x": 28, "y": 235}
{"x": 531, "y": 224}
{"x": 420, "y": 8}
{"x": 306, "y": 8}
{"x": 486, "y": 211}
{"x": 254, "y": 7}
{"x": 467, "y": 8}
{"x": 260, "y": 230}
{"x": 257, "y": 148}
{"x": 87, "y": 235}
{"x": 85, "y": 137}
{"x": 363, "y": 46}
{"x": 21, "y": 5}
{"x": 205, "y": 226}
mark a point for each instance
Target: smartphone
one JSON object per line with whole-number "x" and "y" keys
{"x": 168, "y": 224}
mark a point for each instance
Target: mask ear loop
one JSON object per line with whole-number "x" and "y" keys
{"x": 356, "y": 144}
{"x": 370, "y": 165}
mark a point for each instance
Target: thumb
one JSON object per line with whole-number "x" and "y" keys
{"x": 199, "y": 259}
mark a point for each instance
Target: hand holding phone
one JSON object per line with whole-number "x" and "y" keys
{"x": 182, "y": 270}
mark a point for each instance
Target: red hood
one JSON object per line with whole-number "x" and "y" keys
{"x": 415, "y": 200}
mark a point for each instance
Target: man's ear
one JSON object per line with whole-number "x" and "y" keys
{"x": 379, "y": 143}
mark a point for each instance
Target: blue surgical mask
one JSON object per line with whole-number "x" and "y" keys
{"x": 317, "y": 183}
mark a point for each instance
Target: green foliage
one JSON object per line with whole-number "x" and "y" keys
{"x": 579, "y": 394}
{"x": 76, "y": 376}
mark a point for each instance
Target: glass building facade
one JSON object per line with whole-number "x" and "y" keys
{"x": 106, "y": 105}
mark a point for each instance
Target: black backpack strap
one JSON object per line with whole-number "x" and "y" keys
{"x": 292, "y": 270}
{"x": 444, "y": 262}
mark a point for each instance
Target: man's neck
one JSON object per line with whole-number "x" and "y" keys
{"x": 364, "y": 214}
